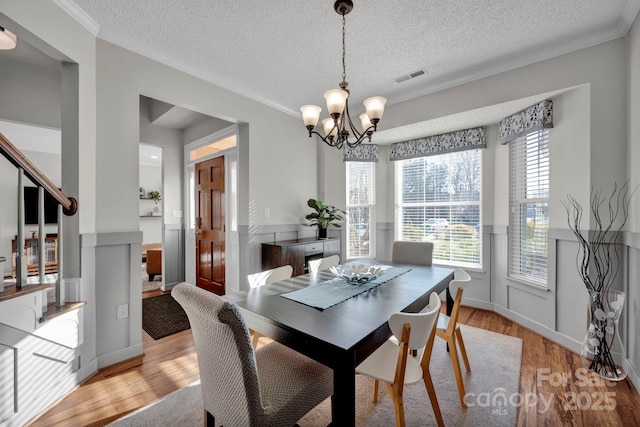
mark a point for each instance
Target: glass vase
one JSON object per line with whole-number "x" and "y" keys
{"x": 602, "y": 348}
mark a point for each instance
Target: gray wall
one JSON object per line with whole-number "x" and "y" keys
{"x": 632, "y": 279}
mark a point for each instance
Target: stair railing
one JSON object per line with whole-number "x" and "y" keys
{"x": 66, "y": 205}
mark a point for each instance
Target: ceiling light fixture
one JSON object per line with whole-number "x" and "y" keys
{"x": 335, "y": 128}
{"x": 7, "y": 39}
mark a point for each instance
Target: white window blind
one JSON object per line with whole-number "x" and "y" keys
{"x": 438, "y": 199}
{"x": 529, "y": 207}
{"x": 361, "y": 202}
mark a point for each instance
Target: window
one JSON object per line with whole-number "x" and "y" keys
{"x": 213, "y": 148}
{"x": 438, "y": 199}
{"x": 361, "y": 201}
{"x": 529, "y": 207}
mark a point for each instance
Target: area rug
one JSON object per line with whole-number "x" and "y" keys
{"x": 492, "y": 392}
{"x": 163, "y": 316}
{"x": 148, "y": 286}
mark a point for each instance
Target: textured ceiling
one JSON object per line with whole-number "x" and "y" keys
{"x": 288, "y": 53}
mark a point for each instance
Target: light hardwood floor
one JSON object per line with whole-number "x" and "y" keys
{"x": 170, "y": 363}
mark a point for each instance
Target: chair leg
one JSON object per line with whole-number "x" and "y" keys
{"x": 398, "y": 405}
{"x": 375, "y": 391}
{"x": 209, "y": 420}
{"x": 456, "y": 370}
{"x": 431, "y": 391}
{"x": 463, "y": 351}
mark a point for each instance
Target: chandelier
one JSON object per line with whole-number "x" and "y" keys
{"x": 335, "y": 127}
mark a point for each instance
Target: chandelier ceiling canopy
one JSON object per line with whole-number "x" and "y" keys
{"x": 339, "y": 128}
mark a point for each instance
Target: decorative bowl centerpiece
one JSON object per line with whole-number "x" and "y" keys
{"x": 356, "y": 274}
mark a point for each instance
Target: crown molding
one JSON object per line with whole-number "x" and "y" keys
{"x": 79, "y": 15}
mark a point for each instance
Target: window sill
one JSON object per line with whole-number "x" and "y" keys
{"x": 527, "y": 286}
{"x": 466, "y": 268}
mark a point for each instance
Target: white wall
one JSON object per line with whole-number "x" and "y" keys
{"x": 34, "y": 93}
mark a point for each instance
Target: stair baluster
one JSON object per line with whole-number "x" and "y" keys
{"x": 60, "y": 285}
{"x": 21, "y": 261}
{"x": 41, "y": 235}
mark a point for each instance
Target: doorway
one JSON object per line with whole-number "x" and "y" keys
{"x": 212, "y": 233}
{"x": 210, "y": 225}
{"x": 151, "y": 216}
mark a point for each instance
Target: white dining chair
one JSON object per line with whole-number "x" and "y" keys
{"x": 417, "y": 253}
{"x": 448, "y": 329}
{"x": 323, "y": 263}
{"x": 269, "y": 276}
{"x": 391, "y": 362}
{"x": 272, "y": 386}
{"x": 263, "y": 278}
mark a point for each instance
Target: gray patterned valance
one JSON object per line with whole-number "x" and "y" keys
{"x": 439, "y": 144}
{"x": 536, "y": 117}
{"x": 362, "y": 153}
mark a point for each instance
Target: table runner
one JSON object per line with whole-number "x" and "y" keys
{"x": 331, "y": 292}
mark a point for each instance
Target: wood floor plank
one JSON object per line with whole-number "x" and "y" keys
{"x": 171, "y": 363}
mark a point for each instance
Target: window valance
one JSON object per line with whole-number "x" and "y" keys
{"x": 362, "y": 153}
{"x": 536, "y": 117}
{"x": 439, "y": 144}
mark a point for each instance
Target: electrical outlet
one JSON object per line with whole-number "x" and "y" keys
{"x": 123, "y": 311}
{"x": 177, "y": 214}
{"x": 267, "y": 212}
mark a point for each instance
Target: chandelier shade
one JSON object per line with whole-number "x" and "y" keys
{"x": 339, "y": 128}
{"x": 8, "y": 40}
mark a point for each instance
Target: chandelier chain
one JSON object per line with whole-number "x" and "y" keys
{"x": 344, "y": 67}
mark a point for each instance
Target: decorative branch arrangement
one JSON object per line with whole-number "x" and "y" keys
{"x": 598, "y": 263}
{"x": 597, "y": 266}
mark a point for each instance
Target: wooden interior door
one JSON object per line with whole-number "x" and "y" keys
{"x": 210, "y": 225}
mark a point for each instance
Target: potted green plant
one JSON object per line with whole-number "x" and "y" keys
{"x": 323, "y": 216}
{"x": 155, "y": 196}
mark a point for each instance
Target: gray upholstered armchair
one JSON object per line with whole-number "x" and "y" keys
{"x": 273, "y": 386}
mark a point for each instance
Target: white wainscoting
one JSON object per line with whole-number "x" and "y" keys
{"x": 38, "y": 361}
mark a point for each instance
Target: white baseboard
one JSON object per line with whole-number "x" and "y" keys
{"x": 540, "y": 329}
{"x": 120, "y": 355}
{"x": 168, "y": 286}
{"x": 633, "y": 375}
{"x": 476, "y": 303}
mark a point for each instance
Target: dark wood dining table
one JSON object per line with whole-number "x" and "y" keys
{"x": 341, "y": 336}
